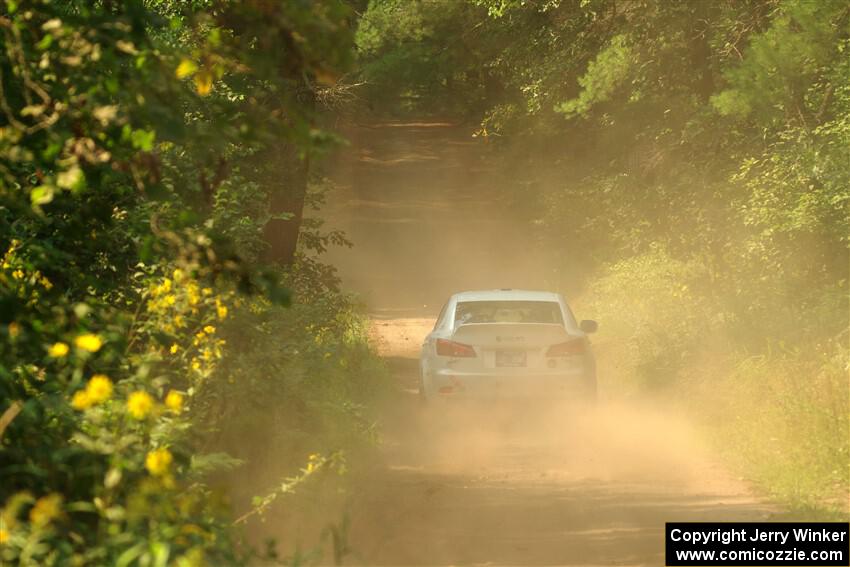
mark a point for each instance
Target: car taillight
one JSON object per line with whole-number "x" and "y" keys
{"x": 569, "y": 348}
{"x": 446, "y": 347}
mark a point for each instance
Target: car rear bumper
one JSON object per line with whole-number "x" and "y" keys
{"x": 449, "y": 384}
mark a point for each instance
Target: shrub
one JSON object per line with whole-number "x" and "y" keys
{"x": 653, "y": 319}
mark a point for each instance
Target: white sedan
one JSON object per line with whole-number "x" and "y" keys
{"x": 507, "y": 344}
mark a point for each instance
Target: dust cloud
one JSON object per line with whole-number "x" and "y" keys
{"x": 418, "y": 202}
{"x": 492, "y": 485}
{"x": 530, "y": 484}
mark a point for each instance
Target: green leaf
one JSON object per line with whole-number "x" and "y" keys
{"x": 130, "y": 555}
{"x": 161, "y": 551}
{"x": 45, "y": 42}
{"x": 42, "y": 195}
{"x": 72, "y": 179}
{"x": 143, "y": 139}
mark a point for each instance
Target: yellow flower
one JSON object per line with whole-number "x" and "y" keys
{"x": 89, "y": 342}
{"x": 58, "y": 350}
{"x": 46, "y": 509}
{"x": 81, "y": 400}
{"x": 203, "y": 82}
{"x": 139, "y": 404}
{"x": 99, "y": 388}
{"x": 4, "y": 535}
{"x": 18, "y": 274}
{"x": 196, "y": 364}
{"x": 207, "y": 291}
{"x": 173, "y": 349}
{"x": 178, "y": 275}
{"x": 46, "y": 283}
{"x": 209, "y": 329}
{"x": 174, "y": 401}
{"x": 158, "y": 461}
{"x": 14, "y": 330}
{"x": 192, "y": 293}
{"x": 221, "y": 309}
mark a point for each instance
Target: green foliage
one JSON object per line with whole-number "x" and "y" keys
{"x": 134, "y": 148}
{"x": 657, "y": 319}
{"x": 604, "y": 74}
{"x": 783, "y": 418}
{"x": 405, "y": 58}
{"x": 779, "y": 64}
{"x": 392, "y": 22}
{"x": 688, "y": 163}
{"x": 306, "y": 372}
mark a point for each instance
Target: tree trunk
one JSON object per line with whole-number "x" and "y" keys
{"x": 287, "y": 199}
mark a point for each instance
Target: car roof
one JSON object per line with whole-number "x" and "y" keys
{"x": 506, "y": 295}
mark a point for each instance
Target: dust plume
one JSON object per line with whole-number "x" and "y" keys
{"x": 531, "y": 484}
{"x": 492, "y": 484}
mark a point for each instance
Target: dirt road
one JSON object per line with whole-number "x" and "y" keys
{"x": 493, "y": 486}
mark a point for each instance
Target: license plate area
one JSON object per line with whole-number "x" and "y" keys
{"x": 510, "y": 358}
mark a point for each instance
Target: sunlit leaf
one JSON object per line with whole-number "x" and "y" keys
{"x": 52, "y": 24}
{"x": 126, "y": 46}
{"x": 42, "y": 194}
{"x": 143, "y": 139}
{"x": 105, "y": 114}
{"x": 72, "y": 179}
{"x": 185, "y": 68}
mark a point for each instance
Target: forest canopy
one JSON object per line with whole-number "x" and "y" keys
{"x": 159, "y": 273}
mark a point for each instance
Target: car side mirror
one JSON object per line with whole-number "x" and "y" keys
{"x": 588, "y": 326}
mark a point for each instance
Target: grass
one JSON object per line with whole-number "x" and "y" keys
{"x": 781, "y": 420}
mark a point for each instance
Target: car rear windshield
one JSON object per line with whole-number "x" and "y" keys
{"x": 508, "y": 312}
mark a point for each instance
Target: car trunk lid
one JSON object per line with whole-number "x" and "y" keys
{"x": 510, "y": 345}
